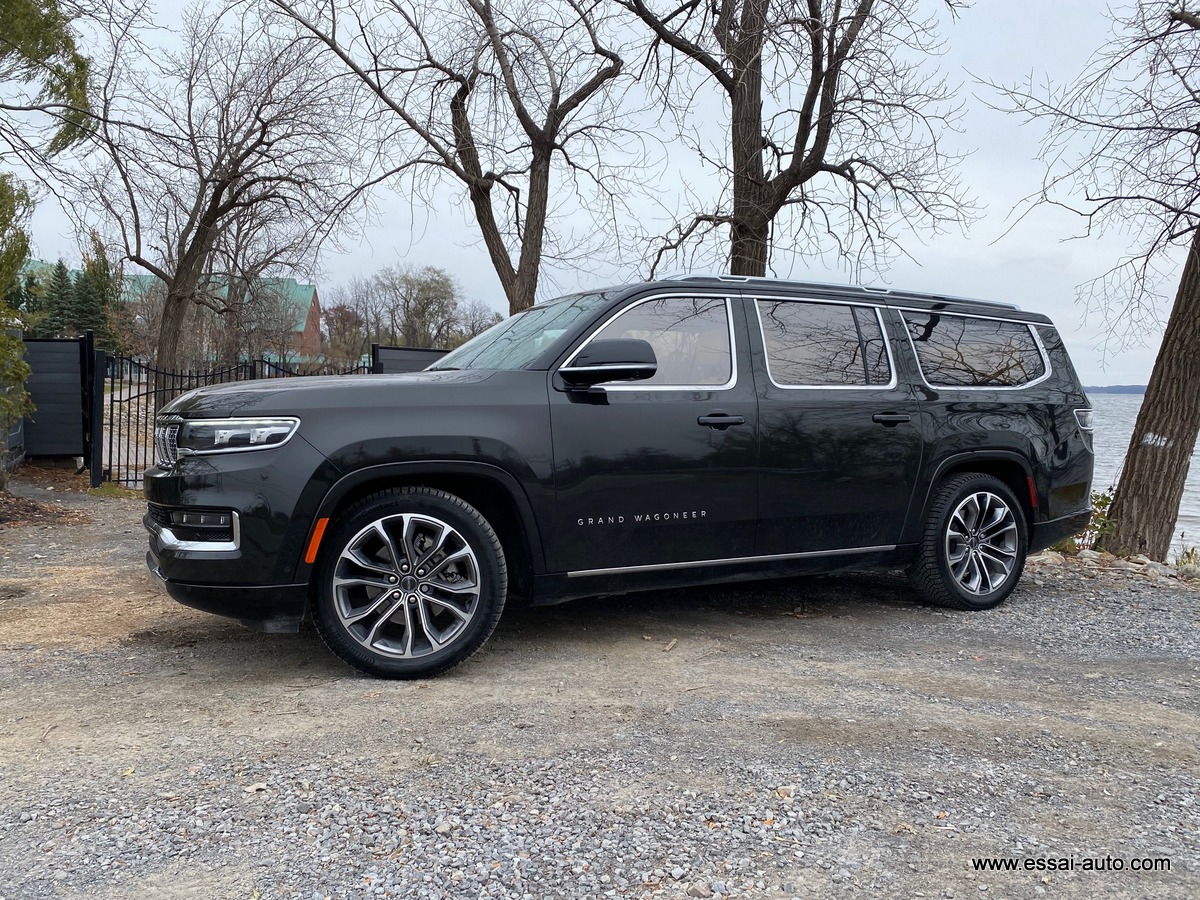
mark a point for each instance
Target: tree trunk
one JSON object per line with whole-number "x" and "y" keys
{"x": 749, "y": 245}
{"x": 753, "y": 209}
{"x": 170, "y": 328}
{"x": 1156, "y": 466}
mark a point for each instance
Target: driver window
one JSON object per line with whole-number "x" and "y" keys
{"x": 690, "y": 337}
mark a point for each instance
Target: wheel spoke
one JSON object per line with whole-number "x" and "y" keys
{"x": 341, "y": 581}
{"x": 464, "y": 553}
{"x": 372, "y": 607}
{"x": 462, "y": 615}
{"x": 357, "y": 559}
{"x": 373, "y": 634}
{"x": 438, "y": 544}
{"x": 390, "y": 544}
{"x": 436, "y": 639}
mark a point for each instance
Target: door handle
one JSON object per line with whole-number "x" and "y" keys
{"x": 720, "y": 421}
{"x": 891, "y": 420}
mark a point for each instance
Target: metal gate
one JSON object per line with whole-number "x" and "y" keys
{"x": 134, "y": 391}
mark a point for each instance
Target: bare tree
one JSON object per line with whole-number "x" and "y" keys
{"x": 514, "y": 100}
{"x": 474, "y": 318}
{"x": 1121, "y": 148}
{"x": 239, "y": 129}
{"x": 835, "y": 127}
{"x": 409, "y": 307}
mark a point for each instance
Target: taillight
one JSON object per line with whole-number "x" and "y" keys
{"x": 1084, "y": 418}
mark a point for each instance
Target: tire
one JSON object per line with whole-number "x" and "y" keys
{"x": 973, "y": 549}
{"x": 410, "y": 583}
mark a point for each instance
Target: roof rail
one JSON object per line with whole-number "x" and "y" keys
{"x": 844, "y": 288}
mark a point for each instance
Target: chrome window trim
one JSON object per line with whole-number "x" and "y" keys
{"x": 887, "y": 343}
{"x": 171, "y": 542}
{"x": 692, "y": 564}
{"x": 1037, "y": 342}
{"x": 625, "y": 388}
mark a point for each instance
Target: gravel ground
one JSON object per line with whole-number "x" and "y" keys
{"x": 809, "y": 738}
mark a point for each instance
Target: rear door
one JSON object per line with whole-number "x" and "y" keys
{"x": 839, "y": 431}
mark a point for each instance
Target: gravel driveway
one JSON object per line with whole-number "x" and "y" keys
{"x": 810, "y": 738}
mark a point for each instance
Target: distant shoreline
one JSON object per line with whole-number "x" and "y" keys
{"x": 1115, "y": 389}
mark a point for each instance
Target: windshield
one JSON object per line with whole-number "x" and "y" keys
{"x": 519, "y": 340}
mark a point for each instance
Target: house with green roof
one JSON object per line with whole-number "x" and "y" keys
{"x": 300, "y": 306}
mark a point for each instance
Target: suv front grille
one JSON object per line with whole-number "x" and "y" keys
{"x": 166, "y": 434}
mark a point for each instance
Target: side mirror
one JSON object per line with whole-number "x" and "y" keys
{"x": 617, "y": 359}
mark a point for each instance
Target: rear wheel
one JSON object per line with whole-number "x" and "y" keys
{"x": 411, "y": 582}
{"x": 974, "y": 545}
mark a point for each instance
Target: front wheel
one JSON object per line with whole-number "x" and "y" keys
{"x": 974, "y": 546}
{"x": 411, "y": 582}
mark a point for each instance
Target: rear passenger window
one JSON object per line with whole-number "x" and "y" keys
{"x": 690, "y": 337}
{"x": 956, "y": 351}
{"x": 823, "y": 344}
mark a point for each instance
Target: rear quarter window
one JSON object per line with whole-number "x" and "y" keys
{"x": 962, "y": 351}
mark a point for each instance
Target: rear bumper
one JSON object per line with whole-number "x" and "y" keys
{"x": 1047, "y": 533}
{"x": 272, "y": 608}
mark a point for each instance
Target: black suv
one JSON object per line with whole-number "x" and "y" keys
{"x": 682, "y": 432}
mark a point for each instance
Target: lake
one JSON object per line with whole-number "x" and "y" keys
{"x": 1115, "y": 415}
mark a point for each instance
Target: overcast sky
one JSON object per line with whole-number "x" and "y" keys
{"x": 1034, "y": 262}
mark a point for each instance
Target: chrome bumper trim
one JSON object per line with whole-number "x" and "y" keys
{"x": 171, "y": 542}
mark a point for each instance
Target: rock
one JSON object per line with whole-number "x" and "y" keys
{"x": 699, "y": 889}
{"x": 1124, "y": 565}
{"x": 1088, "y": 554}
{"x": 1189, "y": 572}
{"x": 1049, "y": 558}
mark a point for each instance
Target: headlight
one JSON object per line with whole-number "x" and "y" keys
{"x": 199, "y": 436}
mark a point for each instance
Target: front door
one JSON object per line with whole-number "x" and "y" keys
{"x": 661, "y": 471}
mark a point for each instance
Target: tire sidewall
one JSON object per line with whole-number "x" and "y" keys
{"x": 421, "y": 501}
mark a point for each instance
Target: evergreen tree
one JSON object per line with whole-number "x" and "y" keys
{"x": 59, "y": 301}
{"x": 97, "y": 301}
{"x": 86, "y": 309}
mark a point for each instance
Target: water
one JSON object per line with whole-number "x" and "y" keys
{"x": 1115, "y": 417}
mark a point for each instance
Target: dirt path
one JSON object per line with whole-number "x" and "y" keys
{"x": 799, "y": 738}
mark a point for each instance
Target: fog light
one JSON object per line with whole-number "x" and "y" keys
{"x": 192, "y": 519}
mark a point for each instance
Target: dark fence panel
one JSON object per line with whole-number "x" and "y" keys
{"x": 397, "y": 360}
{"x": 59, "y": 387}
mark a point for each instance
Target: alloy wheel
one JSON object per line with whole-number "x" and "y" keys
{"x": 981, "y": 543}
{"x": 406, "y": 586}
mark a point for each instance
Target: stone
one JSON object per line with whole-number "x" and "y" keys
{"x": 1088, "y": 554}
{"x": 699, "y": 889}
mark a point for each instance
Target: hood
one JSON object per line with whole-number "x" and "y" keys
{"x": 295, "y": 395}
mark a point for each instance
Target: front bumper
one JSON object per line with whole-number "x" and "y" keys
{"x": 273, "y": 608}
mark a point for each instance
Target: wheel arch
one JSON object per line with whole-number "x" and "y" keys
{"x": 1010, "y": 468}
{"x": 495, "y": 493}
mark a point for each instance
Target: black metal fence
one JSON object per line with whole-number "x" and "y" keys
{"x": 134, "y": 391}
